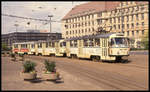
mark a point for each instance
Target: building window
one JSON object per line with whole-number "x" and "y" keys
{"x": 85, "y": 23}
{"x": 89, "y": 30}
{"x": 122, "y": 25}
{"x": 132, "y": 10}
{"x": 127, "y": 33}
{"x": 122, "y": 19}
{"x": 85, "y": 30}
{"x": 132, "y": 17}
{"x": 137, "y": 24}
{"x": 82, "y": 31}
{"x": 70, "y": 32}
{"x": 127, "y": 25}
{"x": 114, "y": 26}
{"x": 137, "y": 8}
{"x": 118, "y": 26}
{"x": 132, "y": 33}
{"x": 89, "y": 23}
{"x": 114, "y": 20}
{"x": 142, "y": 32}
{"x": 66, "y": 32}
{"x": 110, "y": 20}
{"x": 142, "y": 7}
{"x": 142, "y": 23}
{"x": 142, "y": 16}
{"x": 132, "y": 25}
{"x": 127, "y": 18}
{"x": 118, "y": 19}
{"x": 92, "y": 29}
{"x": 92, "y": 22}
{"x": 137, "y": 32}
{"x": 137, "y": 17}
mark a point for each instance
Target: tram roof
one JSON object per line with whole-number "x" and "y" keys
{"x": 92, "y": 36}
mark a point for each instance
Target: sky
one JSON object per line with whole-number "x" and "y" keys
{"x": 37, "y": 10}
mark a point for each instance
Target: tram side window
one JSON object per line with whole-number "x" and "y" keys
{"x": 50, "y": 44}
{"x": 40, "y": 45}
{"x": 75, "y": 43}
{"x": 97, "y": 42}
{"x": 91, "y": 42}
{"x": 16, "y": 46}
{"x": 23, "y": 45}
{"x": 71, "y": 43}
{"x": 62, "y": 44}
{"x": 47, "y": 45}
{"x": 85, "y": 43}
{"x": 53, "y": 44}
{"x": 32, "y": 45}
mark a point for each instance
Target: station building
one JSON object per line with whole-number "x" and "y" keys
{"x": 128, "y": 17}
{"x": 10, "y": 38}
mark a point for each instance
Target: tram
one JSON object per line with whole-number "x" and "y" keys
{"x": 109, "y": 46}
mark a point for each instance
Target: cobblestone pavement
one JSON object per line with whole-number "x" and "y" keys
{"x": 12, "y": 79}
{"x": 79, "y": 74}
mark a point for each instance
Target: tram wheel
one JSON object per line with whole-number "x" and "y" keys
{"x": 95, "y": 58}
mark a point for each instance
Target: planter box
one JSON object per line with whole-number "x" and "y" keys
{"x": 49, "y": 76}
{"x": 29, "y": 75}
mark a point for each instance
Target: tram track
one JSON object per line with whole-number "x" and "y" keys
{"x": 114, "y": 80}
{"x": 103, "y": 78}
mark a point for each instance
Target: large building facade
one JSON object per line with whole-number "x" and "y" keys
{"x": 128, "y": 17}
{"x": 10, "y": 38}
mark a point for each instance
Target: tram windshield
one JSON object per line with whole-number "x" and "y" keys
{"x": 119, "y": 42}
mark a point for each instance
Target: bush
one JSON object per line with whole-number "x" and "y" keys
{"x": 29, "y": 66}
{"x": 12, "y": 55}
{"x": 50, "y": 66}
{"x": 21, "y": 55}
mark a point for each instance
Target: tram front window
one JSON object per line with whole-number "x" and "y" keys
{"x": 119, "y": 42}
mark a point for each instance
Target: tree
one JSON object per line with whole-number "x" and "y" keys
{"x": 145, "y": 41}
{"x": 4, "y": 47}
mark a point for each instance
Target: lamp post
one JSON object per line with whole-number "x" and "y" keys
{"x": 16, "y": 26}
{"x": 16, "y": 32}
{"x": 50, "y": 22}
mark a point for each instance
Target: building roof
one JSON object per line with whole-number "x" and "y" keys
{"x": 95, "y": 6}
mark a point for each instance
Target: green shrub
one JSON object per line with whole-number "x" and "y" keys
{"x": 29, "y": 66}
{"x": 50, "y": 66}
{"x": 12, "y": 55}
{"x": 21, "y": 55}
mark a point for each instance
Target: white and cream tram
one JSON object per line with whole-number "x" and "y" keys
{"x": 110, "y": 46}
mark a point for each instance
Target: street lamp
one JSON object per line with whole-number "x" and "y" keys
{"x": 16, "y": 26}
{"x": 50, "y": 22}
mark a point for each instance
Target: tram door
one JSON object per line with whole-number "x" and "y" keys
{"x": 104, "y": 45}
{"x": 57, "y": 47}
{"x": 80, "y": 47}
